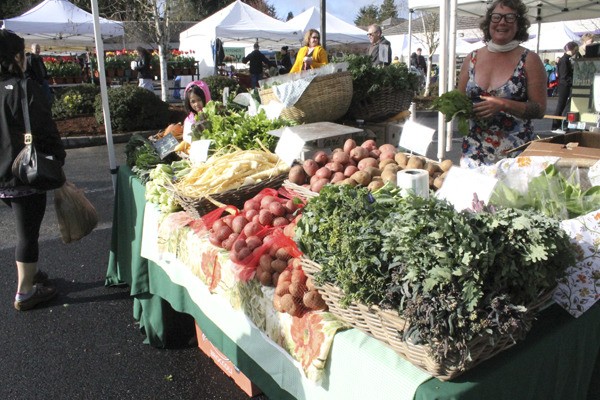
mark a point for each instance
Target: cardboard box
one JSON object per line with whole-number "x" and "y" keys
{"x": 226, "y": 366}
{"x": 576, "y": 145}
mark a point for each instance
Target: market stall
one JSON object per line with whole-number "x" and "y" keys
{"x": 558, "y": 340}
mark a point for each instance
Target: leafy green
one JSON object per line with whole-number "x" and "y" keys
{"x": 551, "y": 194}
{"x": 455, "y": 104}
{"x": 227, "y": 126}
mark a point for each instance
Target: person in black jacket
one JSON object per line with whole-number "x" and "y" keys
{"x": 565, "y": 84}
{"x": 142, "y": 66}
{"x": 36, "y": 70}
{"x": 28, "y": 204}
{"x": 257, "y": 60}
{"x": 380, "y": 49}
{"x": 286, "y": 61}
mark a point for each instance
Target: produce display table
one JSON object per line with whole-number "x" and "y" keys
{"x": 558, "y": 360}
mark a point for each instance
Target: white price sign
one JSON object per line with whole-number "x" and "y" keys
{"x": 461, "y": 184}
{"x": 289, "y": 147}
{"x": 416, "y": 137}
{"x": 199, "y": 150}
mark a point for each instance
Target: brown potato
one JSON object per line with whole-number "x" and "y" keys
{"x": 401, "y": 159}
{"x": 446, "y": 165}
{"x": 362, "y": 177}
{"x": 383, "y": 163}
{"x": 375, "y": 185}
{"x": 373, "y": 171}
{"x": 389, "y": 176}
{"x": 415, "y": 162}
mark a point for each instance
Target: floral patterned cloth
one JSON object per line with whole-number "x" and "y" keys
{"x": 489, "y": 139}
{"x": 308, "y": 339}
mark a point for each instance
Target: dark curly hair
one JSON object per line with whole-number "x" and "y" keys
{"x": 11, "y": 44}
{"x": 522, "y": 22}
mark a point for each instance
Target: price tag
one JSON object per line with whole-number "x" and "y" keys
{"x": 461, "y": 184}
{"x": 416, "y": 137}
{"x": 166, "y": 145}
{"x": 199, "y": 150}
{"x": 289, "y": 147}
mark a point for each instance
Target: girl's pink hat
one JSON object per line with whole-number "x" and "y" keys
{"x": 202, "y": 85}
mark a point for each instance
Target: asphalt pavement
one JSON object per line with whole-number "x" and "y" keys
{"x": 85, "y": 344}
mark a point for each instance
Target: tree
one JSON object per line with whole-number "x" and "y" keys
{"x": 10, "y": 9}
{"x": 367, "y": 15}
{"x": 387, "y": 10}
{"x": 289, "y": 16}
{"x": 430, "y": 23}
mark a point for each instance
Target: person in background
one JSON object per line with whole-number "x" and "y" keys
{"x": 142, "y": 66}
{"x": 551, "y": 74}
{"x": 380, "y": 49}
{"x": 257, "y": 61}
{"x": 586, "y": 39}
{"x": 28, "y": 205}
{"x": 418, "y": 61}
{"x": 195, "y": 97}
{"x": 506, "y": 83}
{"x": 565, "y": 84}
{"x": 396, "y": 60}
{"x": 286, "y": 61}
{"x": 36, "y": 70}
{"x": 311, "y": 55}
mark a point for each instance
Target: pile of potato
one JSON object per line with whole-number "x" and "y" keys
{"x": 296, "y": 294}
{"x": 366, "y": 165}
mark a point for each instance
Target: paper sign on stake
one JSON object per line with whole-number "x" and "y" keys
{"x": 289, "y": 147}
{"x": 199, "y": 150}
{"x": 416, "y": 137}
{"x": 461, "y": 183}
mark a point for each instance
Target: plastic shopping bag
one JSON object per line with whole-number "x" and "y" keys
{"x": 77, "y": 217}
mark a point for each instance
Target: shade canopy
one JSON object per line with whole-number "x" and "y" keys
{"x": 337, "y": 31}
{"x": 59, "y": 22}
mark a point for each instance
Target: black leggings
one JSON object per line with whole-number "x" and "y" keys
{"x": 564, "y": 97}
{"x": 29, "y": 212}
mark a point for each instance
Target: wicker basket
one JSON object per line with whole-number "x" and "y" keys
{"x": 197, "y": 207}
{"x": 327, "y": 98}
{"x": 300, "y": 191}
{"x": 387, "y": 325}
{"x": 382, "y": 105}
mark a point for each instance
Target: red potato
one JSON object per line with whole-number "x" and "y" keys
{"x": 277, "y": 209}
{"x": 253, "y": 242}
{"x": 310, "y": 166}
{"x": 337, "y": 177}
{"x": 275, "y": 279}
{"x": 349, "y": 144}
{"x": 280, "y": 221}
{"x": 283, "y": 254}
{"x": 386, "y": 155}
{"x": 390, "y": 148}
{"x": 266, "y": 278}
{"x": 223, "y": 232}
{"x": 341, "y": 157}
{"x": 251, "y": 204}
{"x": 349, "y": 170}
{"x": 265, "y": 201}
{"x": 238, "y": 245}
{"x": 334, "y": 166}
{"x": 228, "y": 219}
{"x": 323, "y": 173}
{"x": 217, "y": 224}
{"x": 269, "y": 240}
{"x": 313, "y": 179}
{"x": 278, "y": 265}
{"x": 367, "y": 162}
{"x": 265, "y": 261}
{"x": 297, "y": 175}
{"x": 318, "y": 185}
{"x": 265, "y": 217}
{"x": 241, "y": 255}
{"x": 369, "y": 144}
{"x": 321, "y": 157}
{"x": 291, "y": 206}
{"x": 212, "y": 238}
{"x": 375, "y": 153}
{"x": 358, "y": 153}
{"x": 238, "y": 223}
{"x": 250, "y": 214}
{"x": 252, "y": 228}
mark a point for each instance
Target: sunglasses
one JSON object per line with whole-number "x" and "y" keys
{"x": 509, "y": 18}
{"x": 315, "y": 37}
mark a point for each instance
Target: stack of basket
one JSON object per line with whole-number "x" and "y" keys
{"x": 382, "y": 105}
{"x": 327, "y": 98}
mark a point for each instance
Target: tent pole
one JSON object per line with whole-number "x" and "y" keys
{"x": 443, "y": 75}
{"x": 104, "y": 94}
{"x": 451, "y": 67}
{"x": 323, "y": 24}
{"x": 410, "y": 18}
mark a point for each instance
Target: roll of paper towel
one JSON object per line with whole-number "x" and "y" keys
{"x": 415, "y": 180}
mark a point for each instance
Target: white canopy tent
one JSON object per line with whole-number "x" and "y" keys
{"x": 59, "y": 22}
{"x": 553, "y": 36}
{"x": 337, "y": 31}
{"x": 237, "y": 25}
{"x": 539, "y": 11}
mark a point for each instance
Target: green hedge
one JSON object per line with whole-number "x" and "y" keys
{"x": 74, "y": 101}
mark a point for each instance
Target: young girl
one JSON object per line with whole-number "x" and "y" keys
{"x": 196, "y": 95}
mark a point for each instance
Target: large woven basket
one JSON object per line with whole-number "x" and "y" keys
{"x": 326, "y": 99}
{"x": 387, "y": 326}
{"x": 383, "y": 104}
{"x": 197, "y": 207}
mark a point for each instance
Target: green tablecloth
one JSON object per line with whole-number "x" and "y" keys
{"x": 558, "y": 360}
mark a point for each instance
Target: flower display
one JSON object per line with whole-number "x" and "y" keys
{"x": 182, "y": 59}
{"x": 62, "y": 67}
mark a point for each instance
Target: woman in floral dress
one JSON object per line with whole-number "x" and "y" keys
{"x": 507, "y": 84}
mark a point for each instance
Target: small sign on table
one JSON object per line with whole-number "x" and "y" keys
{"x": 165, "y": 145}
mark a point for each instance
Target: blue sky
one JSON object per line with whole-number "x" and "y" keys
{"x": 343, "y": 9}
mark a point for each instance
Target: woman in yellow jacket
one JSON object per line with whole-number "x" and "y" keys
{"x": 312, "y": 54}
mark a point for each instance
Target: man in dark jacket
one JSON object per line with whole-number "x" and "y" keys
{"x": 36, "y": 71}
{"x": 380, "y": 49}
{"x": 257, "y": 59}
{"x": 417, "y": 60}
